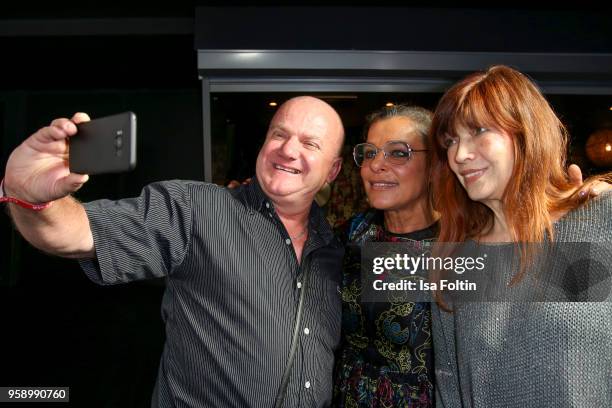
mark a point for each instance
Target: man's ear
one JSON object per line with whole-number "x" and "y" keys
{"x": 335, "y": 169}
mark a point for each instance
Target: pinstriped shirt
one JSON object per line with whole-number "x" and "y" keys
{"x": 232, "y": 288}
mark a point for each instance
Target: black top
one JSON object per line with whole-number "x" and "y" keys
{"x": 385, "y": 357}
{"x": 233, "y": 284}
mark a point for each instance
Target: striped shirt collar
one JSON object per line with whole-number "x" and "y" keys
{"x": 257, "y": 199}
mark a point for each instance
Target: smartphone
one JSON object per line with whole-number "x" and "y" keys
{"x": 104, "y": 145}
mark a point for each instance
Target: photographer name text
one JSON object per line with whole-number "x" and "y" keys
{"x": 410, "y": 285}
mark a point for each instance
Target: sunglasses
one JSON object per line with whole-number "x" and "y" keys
{"x": 395, "y": 152}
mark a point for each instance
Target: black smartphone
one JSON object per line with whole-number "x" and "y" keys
{"x": 104, "y": 145}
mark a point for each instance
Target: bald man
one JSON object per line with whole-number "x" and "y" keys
{"x": 251, "y": 306}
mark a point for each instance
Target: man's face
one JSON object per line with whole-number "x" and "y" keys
{"x": 300, "y": 151}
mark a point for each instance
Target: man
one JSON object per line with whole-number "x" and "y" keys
{"x": 251, "y": 273}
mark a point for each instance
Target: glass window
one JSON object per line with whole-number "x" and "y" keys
{"x": 240, "y": 121}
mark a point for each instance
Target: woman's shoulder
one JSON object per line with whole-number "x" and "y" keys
{"x": 356, "y": 224}
{"x": 592, "y": 221}
{"x": 599, "y": 207}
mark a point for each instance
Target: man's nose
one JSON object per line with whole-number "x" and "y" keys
{"x": 290, "y": 147}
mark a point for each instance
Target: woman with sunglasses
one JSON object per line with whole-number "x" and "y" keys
{"x": 499, "y": 177}
{"x": 385, "y": 355}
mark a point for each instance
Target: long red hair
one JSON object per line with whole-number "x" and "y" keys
{"x": 539, "y": 188}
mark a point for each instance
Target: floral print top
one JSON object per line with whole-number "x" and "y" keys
{"x": 385, "y": 357}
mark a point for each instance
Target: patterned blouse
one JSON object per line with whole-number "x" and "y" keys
{"x": 385, "y": 357}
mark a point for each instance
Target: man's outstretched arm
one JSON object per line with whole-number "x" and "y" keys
{"x": 37, "y": 171}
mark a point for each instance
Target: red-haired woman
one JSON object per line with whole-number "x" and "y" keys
{"x": 499, "y": 176}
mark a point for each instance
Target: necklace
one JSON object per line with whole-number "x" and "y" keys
{"x": 300, "y": 235}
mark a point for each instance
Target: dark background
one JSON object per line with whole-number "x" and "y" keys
{"x": 56, "y": 327}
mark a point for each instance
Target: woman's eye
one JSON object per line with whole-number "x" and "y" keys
{"x": 399, "y": 154}
{"x": 449, "y": 141}
{"x": 369, "y": 154}
{"x": 481, "y": 130}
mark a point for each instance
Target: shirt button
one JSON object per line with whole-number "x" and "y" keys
{"x": 307, "y": 385}
{"x": 299, "y": 285}
{"x": 306, "y": 330}
{"x": 267, "y": 205}
{"x": 288, "y": 241}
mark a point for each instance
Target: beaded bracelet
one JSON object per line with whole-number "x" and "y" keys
{"x": 21, "y": 203}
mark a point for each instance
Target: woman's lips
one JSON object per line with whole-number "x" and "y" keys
{"x": 382, "y": 185}
{"x": 470, "y": 176}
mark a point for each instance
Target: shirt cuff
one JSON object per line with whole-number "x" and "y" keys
{"x": 100, "y": 269}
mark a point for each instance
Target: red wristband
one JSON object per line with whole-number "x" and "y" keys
{"x": 21, "y": 203}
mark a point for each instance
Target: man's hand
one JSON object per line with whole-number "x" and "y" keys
{"x": 575, "y": 177}
{"x": 235, "y": 183}
{"x": 37, "y": 170}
